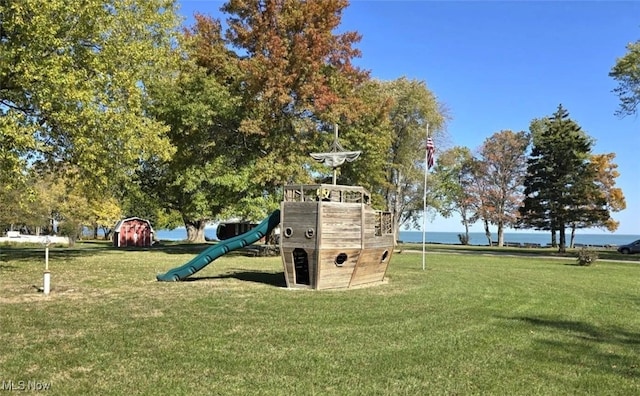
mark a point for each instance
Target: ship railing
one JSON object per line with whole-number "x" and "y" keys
{"x": 383, "y": 223}
{"x": 326, "y": 192}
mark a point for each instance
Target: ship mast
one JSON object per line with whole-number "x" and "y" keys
{"x": 337, "y": 156}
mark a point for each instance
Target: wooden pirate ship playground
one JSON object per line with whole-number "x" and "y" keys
{"x": 330, "y": 238}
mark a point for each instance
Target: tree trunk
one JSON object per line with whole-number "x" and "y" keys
{"x": 466, "y": 231}
{"x": 195, "y": 230}
{"x": 487, "y": 232}
{"x": 397, "y": 209}
{"x": 107, "y": 233}
{"x": 563, "y": 241}
{"x": 553, "y": 238}
{"x": 500, "y": 234}
{"x": 573, "y": 236}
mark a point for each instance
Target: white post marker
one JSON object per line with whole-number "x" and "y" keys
{"x": 47, "y": 275}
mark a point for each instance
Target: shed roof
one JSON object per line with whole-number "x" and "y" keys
{"x": 128, "y": 219}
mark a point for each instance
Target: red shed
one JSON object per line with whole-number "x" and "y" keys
{"x": 133, "y": 231}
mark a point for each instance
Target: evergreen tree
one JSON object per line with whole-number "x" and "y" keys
{"x": 560, "y": 188}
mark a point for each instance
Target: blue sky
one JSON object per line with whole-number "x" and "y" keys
{"x": 497, "y": 65}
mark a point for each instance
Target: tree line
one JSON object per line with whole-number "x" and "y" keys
{"x": 110, "y": 108}
{"x": 544, "y": 179}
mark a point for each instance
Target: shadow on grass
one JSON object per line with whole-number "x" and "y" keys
{"x": 7, "y": 268}
{"x": 197, "y": 248}
{"x": 37, "y": 253}
{"x": 181, "y": 248}
{"x": 586, "y": 331}
{"x": 88, "y": 248}
{"x": 577, "y": 343}
{"x": 275, "y": 279}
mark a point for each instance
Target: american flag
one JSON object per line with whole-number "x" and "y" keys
{"x": 431, "y": 149}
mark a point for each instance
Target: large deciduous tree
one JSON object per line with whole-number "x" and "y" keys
{"x": 560, "y": 187}
{"x": 606, "y": 175}
{"x": 15, "y": 144}
{"x": 52, "y": 203}
{"x": 73, "y": 78}
{"x": 299, "y": 80}
{"x": 479, "y": 192}
{"x": 504, "y": 162}
{"x": 627, "y": 73}
{"x": 394, "y": 150}
{"x": 369, "y": 131}
{"x": 454, "y": 174}
{"x": 297, "y": 75}
{"x": 208, "y": 173}
{"x": 605, "y": 171}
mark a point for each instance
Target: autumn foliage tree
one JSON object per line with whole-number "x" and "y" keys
{"x": 606, "y": 174}
{"x": 245, "y": 112}
{"x": 479, "y": 193}
{"x": 503, "y": 158}
{"x": 297, "y": 74}
{"x": 606, "y": 197}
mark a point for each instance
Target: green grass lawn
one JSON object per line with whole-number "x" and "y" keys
{"x": 468, "y": 324}
{"x": 603, "y": 253}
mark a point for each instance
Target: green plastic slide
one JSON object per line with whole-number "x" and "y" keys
{"x": 209, "y": 254}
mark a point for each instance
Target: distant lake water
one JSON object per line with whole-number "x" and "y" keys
{"x": 478, "y": 238}
{"x": 451, "y": 238}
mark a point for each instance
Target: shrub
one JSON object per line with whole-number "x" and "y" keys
{"x": 587, "y": 256}
{"x": 71, "y": 230}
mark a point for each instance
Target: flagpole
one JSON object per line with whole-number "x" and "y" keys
{"x": 424, "y": 204}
